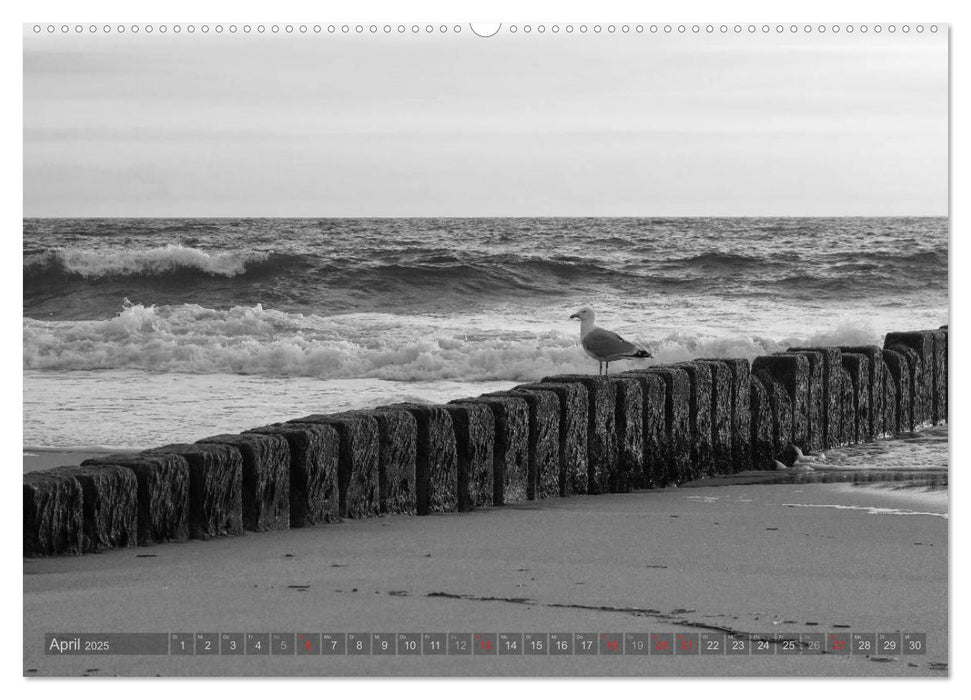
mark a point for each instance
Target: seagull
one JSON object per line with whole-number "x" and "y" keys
{"x": 602, "y": 345}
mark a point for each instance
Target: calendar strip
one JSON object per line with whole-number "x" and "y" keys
{"x": 486, "y": 644}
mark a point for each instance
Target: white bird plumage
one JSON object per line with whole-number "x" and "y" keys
{"x": 602, "y": 345}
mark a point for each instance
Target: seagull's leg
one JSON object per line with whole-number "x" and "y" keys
{"x": 607, "y": 370}
{"x": 600, "y": 368}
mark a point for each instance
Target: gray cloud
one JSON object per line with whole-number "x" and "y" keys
{"x": 456, "y": 125}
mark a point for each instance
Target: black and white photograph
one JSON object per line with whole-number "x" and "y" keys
{"x": 514, "y": 349}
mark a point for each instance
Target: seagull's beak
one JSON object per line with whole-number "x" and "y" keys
{"x": 574, "y": 316}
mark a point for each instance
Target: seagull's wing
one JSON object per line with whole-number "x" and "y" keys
{"x": 606, "y": 345}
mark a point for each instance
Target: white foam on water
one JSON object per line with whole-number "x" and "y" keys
{"x": 925, "y": 450}
{"x": 870, "y": 510}
{"x": 92, "y": 264}
{"x": 461, "y": 347}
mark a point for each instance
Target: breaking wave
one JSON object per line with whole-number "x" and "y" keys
{"x": 254, "y": 340}
{"x": 153, "y": 262}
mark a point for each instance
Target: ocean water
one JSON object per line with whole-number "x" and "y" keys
{"x": 143, "y": 331}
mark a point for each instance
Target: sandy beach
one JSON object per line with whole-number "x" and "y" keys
{"x": 747, "y": 558}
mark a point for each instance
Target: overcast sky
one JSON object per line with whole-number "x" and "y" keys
{"x": 564, "y": 125}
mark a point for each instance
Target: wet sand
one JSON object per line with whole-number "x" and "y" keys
{"x": 749, "y": 558}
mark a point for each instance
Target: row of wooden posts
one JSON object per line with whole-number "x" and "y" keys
{"x": 564, "y": 435}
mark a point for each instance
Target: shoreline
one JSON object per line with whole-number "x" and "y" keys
{"x": 671, "y": 559}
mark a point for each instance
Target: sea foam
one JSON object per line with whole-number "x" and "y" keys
{"x": 149, "y": 261}
{"x": 254, "y": 340}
